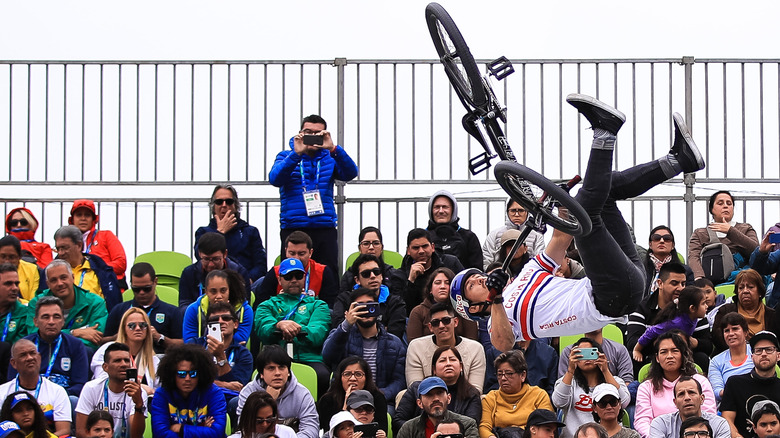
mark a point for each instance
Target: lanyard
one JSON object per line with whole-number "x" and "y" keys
{"x": 308, "y": 277}
{"x": 37, "y": 387}
{"x": 295, "y": 307}
{"x": 105, "y": 406}
{"x": 94, "y": 235}
{"x": 53, "y": 356}
{"x": 81, "y": 280}
{"x": 303, "y": 177}
{"x": 7, "y": 322}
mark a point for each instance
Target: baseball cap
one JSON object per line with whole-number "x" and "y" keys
{"x": 543, "y": 416}
{"x": 289, "y": 265}
{"x": 457, "y": 298}
{"x": 10, "y": 429}
{"x": 510, "y": 236}
{"x": 337, "y": 419}
{"x": 604, "y": 389}
{"x": 359, "y": 398}
{"x": 764, "y": 335}
{"x": 763, "y": 407}
{"x": 20, "y": 397}
{"x": 431, "y": 383}
{"x": 83, "y": 203}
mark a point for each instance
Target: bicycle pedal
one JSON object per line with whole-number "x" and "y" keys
{"x": 480, "y": 163}
{"x": 501, "y": 68}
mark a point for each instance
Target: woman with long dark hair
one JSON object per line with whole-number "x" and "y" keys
{"x": 351, "y": 374}
{"x": 220, "y": 285}
{"x": 258, "y": 418}
{"x": 655, "y": 396}
{"x": 22, "y": 408}
{"x": 188, "y": 403}
{"x": 437, "y": 290}
{"x": 465, "y": 398}
{"x": 577, "y": 384}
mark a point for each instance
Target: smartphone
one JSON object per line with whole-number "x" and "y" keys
{"x": 368, "y": 429}
{"x": 214, "y": 331}
{"x": 452, "y": 435}
{"x": 589, "y": 353}
{"x": 371, "y": 308}
{"x": 774, "y": 238}
{"x": 311, "y": 140}
{"x": 131, "y": 374}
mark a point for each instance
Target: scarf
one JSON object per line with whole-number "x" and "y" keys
{"x": 657, "y": 263}
{"x": 755, "y": 319}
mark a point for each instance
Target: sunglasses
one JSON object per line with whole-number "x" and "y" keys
{"x": 367, "y": 273}
{"x": 666, "y": 237}
{"x": 141, "y": 325}
{"x": 446, "y": 321}
{"x": 269, "y": 420}
{"x": 137, "y": 289}
{"x": 228, "y": 201}
{"x": 365, "y": 409}
{"x": 217, "y": 318}
{"x": 607, "y": 402}
{"x": 297, "y": 275}
{"x": 183, "y": 374}
{"x": 17, "y": 222}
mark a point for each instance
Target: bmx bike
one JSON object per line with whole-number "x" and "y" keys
{"x": 545, "y": 200}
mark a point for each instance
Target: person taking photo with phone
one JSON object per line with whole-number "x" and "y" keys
{"x": 360, "y": 334}
{"x": 119, "y": 393}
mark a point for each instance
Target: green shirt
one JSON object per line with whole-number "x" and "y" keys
{"x": 88, "y": 309}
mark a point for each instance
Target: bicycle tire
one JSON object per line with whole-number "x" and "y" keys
{"x": 509, "y": 172}
{"x": 450, "y": 45}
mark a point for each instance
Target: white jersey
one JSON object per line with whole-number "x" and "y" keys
{"x": 541, "y": 305}
{"x": 52, "y": 398}
{"x": 120, "y": 405}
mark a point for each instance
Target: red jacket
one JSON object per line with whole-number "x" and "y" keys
{"x": 40, "y": 250}
{"x": 314, "y": 278}
{"x": 107, "y": 246}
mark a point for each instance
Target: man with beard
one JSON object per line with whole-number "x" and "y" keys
{"x": 360, "y": 334}
{"x": 742, "y": 392}
{"x": 433, "y": 399}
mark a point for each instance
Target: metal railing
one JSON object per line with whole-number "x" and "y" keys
{"x": 149, "y": 139}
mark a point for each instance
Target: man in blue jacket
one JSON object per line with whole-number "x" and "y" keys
{"x": 361, "y": 335}
{"x": 305, "y": 175}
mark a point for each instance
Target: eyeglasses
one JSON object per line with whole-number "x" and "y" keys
{"x": 761, "y": 350}
{"x": 507, "y": 374}
{"x": 696, "y": 433}
{"x": 603, "y": 403}
{"x": 217, "y": 318}
{"x": 216, "y": 259}
{"x": 297, "y": 275}
{"x": 16, "y": 222}
{"x": 141, "y": 325}
{"x": 183, "y": 374}
{"x": 367, "y": 273}
{"x": 369, "y": 243}
{"x": 64, "y": 248}
{"x": 446, "y": 321}
{"x": 137, "y": 289}
{"x": 365, "y": 409}
{"x": 355, "y": 374}
{"x": 516, "y": 211}
{"x": 269, "y": 420}
{"x": 228, "y": 201}
{"x": 658, "y": 237}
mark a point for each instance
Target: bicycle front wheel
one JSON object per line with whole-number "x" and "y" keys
{"x": 540, "y": 196}
{"x": 453, "y": 52}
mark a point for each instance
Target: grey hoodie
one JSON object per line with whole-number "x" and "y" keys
{"x": 295, "y": 401}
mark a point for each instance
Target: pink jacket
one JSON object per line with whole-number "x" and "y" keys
{"x": 651, "y": 404}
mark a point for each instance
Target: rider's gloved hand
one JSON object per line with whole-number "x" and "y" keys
{"x": 496, "y": 282}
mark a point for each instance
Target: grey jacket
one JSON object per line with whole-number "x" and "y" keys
{"x": 668, "y": 425}
{"x": 534, "y": 242}
{"x": 295, "y": 401}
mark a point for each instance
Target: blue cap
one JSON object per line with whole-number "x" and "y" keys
{"x": 7, "y": 428}
{"x": 20, "y": 397}
{"x": 289, "y": 265}
{"x": 430, "y": 384}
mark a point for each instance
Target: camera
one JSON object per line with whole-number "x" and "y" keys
{"x": 371, "y": 308}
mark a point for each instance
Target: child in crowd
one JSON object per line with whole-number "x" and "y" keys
{"x": 713, "y": 299}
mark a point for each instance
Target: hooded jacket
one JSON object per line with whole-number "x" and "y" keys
{"x": 451, "y": 238}
{"x": 490, "y": 249}
{"x": 102, "y": 243}
{"x": 311, "y": 313}
{"x": 40, "y": 250}
{"x": 293, "y": 173}
{"x": 244, "y": 245}
{"x": 194, "y": 321}
{"x": 295, "y": 401}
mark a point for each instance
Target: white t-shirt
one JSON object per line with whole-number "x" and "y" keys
{"x": 52, "y": 398}
{"x": 281, "y": 430}
{"x": 99, "y": 357}
{"x": 541, "y": 305}
{"x": 120, "y": 405}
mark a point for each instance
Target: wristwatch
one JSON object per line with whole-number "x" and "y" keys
{"x": 161, "y": 339}
{"x": 222, "y": 362}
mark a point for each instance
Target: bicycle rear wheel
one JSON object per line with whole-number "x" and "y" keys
{"x": 455, "y": 55}
{"x": 527, "y": 187}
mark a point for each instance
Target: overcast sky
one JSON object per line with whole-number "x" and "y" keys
{"x": 303, "y": 29}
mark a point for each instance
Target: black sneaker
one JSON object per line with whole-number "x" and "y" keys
{"x": 598, "y": 113}
{"x": 683, "y": 148}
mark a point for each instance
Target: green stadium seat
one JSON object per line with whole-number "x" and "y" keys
{"x": 610, "y": 331}
{"x": 306, "y": 376}
{"x": 167, "y": 265}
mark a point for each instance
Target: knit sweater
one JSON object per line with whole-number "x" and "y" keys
{"x": 500, "y": 409}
